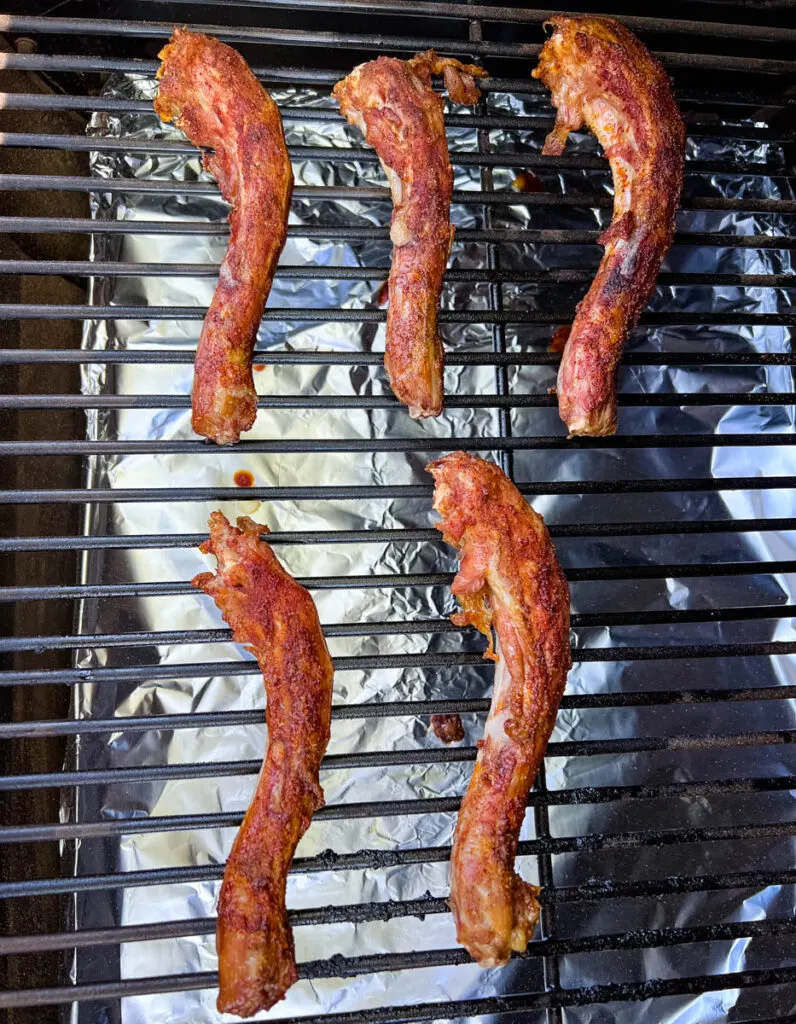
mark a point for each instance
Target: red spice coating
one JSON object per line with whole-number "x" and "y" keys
{"x": 392, "y": 101}
{"x": 509, "y": 575}
{"x": 210, "y": 93}
{"x": 600, "y": 75}
{"x": 275, "y": 618}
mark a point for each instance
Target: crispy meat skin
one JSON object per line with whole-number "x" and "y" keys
{"x": 210, "y": 93}
{"x": 509, "y": 575}
{"x": 275, "y": 618}
{"x": 600, "y": 75}
{"x": 393, "y": 103}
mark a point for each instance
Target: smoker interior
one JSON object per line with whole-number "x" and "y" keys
{"x": 734, "y": 73}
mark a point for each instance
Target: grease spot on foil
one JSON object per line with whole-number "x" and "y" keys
{"x": 447, "y": 728}
{"x": 526, "y": 181}
{"x": 250, "y": 507}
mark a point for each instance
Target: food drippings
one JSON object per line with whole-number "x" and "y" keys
{"x": 244, "y": 478}
{"x": 447, "y": 728}
{"x": 526, "y": 181}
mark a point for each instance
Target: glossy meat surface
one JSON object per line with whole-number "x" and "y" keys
{"x": 275, "y": 618}
{"x": 210, "y": 93}
{"x": 393, "y": 103}
{"x": 509, "y": 578}
{"x": 600, "y": 75}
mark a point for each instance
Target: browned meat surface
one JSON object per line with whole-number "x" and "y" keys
{"x": 275, "y": 618}
{"x": 600, "y": 75}
{"x": 509, "y": 578}
{"x": 210, "y": 93}
{"x": 392, "y": 101}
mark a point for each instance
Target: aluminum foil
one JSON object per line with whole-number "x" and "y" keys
{"x": 200, "y": 848}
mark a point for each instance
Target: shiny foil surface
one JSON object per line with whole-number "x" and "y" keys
{"x": 225, "y": 680}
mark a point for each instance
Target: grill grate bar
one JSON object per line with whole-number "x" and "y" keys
{"x": 281, "y": 74}
{"x": 420, "y": 444}
{"x": 342, "y": 967}
{"x": 459, "y": 158}
{"x": 359, "y": 234}
{"x": 288, "y": 358}
{"x": 87, "y": 268}
{"x": 488, "y": 443}
{"x": 190, "y": 540}
{"x": 375, "y": 193}
{"x": 160, "y": 146}
{"x": 392, "y": 492}
{"x": 156, "y": 930}
{"x": 452, "y": 1010}
{"x": 370, "y": 759}
{"x": 652, "y": 652}
{"x": 594, "y": 890}
{"x": 147, "y": 68}
{"x": 345, "y": 712}
{"x": 596, "y": 620}
{"x": 773, "y": 101}
{"x": 542, "y": 798}
{"x": 468, "y": 401}
{"x": 508, "y": 15}
{"x": 375, "y": 860}
{"x": 52, "y": 311}
{"x": 24, "y": 24}
{"x": 377, "y": 580}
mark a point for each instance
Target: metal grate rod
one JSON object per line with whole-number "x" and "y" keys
{"x": 557, "y": 530}
{"x": 377, "y": 860}
{"x": 346, "y": 712}
{"x": 652, "y": 652}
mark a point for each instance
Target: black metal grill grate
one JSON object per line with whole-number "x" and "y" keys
{"x": 726, "y": 93}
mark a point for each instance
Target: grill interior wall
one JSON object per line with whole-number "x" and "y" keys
{"x": 21, "y": 704}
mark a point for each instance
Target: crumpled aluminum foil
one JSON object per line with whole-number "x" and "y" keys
{"x": 145, "y": 800}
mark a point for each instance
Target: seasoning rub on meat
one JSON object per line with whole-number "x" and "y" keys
{"x": 600, "y": 75}
{"x": 509, "y": 578}
{"x": 210, "y": 93}
{"x": 275, "y": 618}
{"x": 393, "y": 103}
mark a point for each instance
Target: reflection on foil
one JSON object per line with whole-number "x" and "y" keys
{"x": 194, "y": 855}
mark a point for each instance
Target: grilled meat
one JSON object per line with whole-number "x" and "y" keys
{"x": 210, "y": 93}
{"x": 508, "y": 577}
{"x": 393, "y": 103}
{"x": 275, "y": 618}
{"x": 600, "y": 75}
